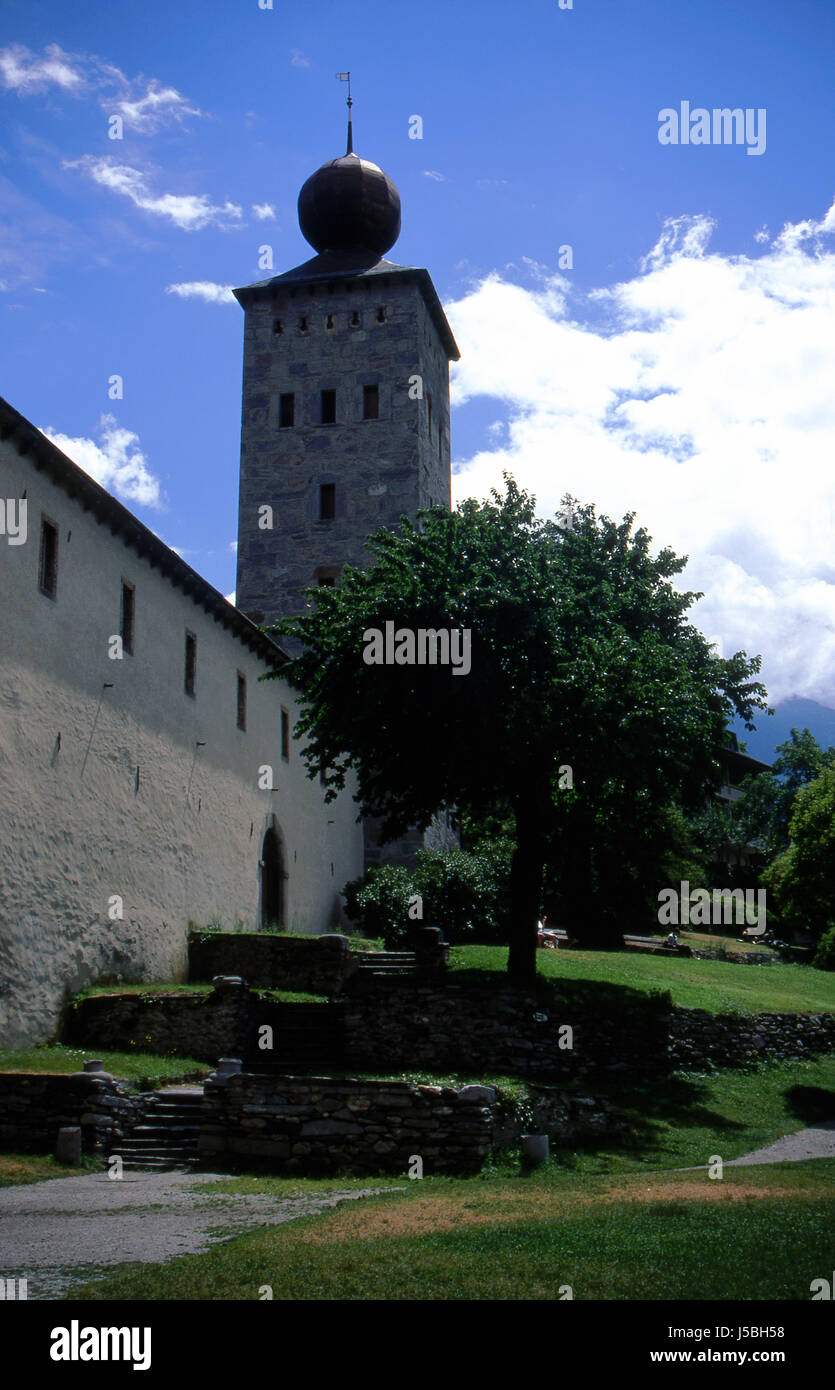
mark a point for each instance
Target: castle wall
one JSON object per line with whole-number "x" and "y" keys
{"x": 105, "y": 791}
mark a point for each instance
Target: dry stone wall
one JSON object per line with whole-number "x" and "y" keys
{"x": 34, "y": 1106}
{"x": 318, "y": 964}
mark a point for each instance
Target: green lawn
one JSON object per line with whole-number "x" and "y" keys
{"x": 716, "y": 985}
{"x": 634, "y": 1237}
{"x": 16, "y": 1169}
{"x": 145, "y": 1069}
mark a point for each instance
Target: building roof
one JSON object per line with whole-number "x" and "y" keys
{"x": 93, "y": 498}
{"x": 352, "y": 266}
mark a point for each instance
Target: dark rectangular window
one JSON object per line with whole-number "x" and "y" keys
{"x": 241, "y": 702}
{"x": 285, "y": 735}
{"x": 191, "y": 663}
{"x": 48, "y": 568}
{"x": 126, "y": 617}
{"x": 370, "y": 402}
{"x": 356, "y": 321}
{"x": 328, "y": 407}
{"x": 381, "y": 315}
{"x": 326, "y": 581}
{"x": 327, "y": 501}
{"x": 286, "y": 409}
{"x": 278, "y": 326}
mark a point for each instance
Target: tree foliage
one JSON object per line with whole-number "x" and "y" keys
{"x": 581, "y": 656}
{"x": 802, "y": 878}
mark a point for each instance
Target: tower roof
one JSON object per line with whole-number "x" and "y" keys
{"x": 349, "y": 204}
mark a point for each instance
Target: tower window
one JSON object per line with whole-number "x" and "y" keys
{"x": 381, "y": 315}
{"x": 328, "y": 407}
{"x": 278, "y": 326}
{"x": 191, "y": 663}
{"x": 242, "y": 702}
{"x": 303, "y": 324}
{"x": 356, "y": 321}
{"x": 327, "y": 501}
{"x": 370, "y": 402}
{"x": 285, "y": 735}
{"x": 48, "y": 567}
{"x": 286, "y": 409}
{"x": 329, "y": 321}
{"x": 128, "y": 607}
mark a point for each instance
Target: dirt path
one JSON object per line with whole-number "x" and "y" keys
{"x": 64, "y": 1231}
{"x": 816, "y": 1142}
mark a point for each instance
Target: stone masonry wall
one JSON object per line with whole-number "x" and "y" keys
{"x": 732, "y": 1040}
{"x": 319, "y": 964}
{"x": 319, "y": 1125}
{"x": 34, "y": 1106}
{"x": 202, "y": 1026}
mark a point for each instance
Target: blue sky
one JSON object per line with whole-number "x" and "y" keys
{"x": 681, "y": 367}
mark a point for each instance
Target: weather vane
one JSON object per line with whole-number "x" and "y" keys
{"x": 346, "y": 77}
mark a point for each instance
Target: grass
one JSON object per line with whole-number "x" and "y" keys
{"x": 144, "y": 1069}
{"x": 634, "y": 1237}
{"x": 283, "y": 996}
{"x": 715, "y": 985}
{"x": 17, "y": 1169}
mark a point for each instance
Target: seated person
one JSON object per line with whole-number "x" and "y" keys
{"x": 545, "y": 936}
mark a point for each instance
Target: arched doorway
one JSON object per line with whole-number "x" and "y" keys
{"x": 273, "y": 879}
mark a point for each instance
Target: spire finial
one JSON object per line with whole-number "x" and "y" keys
{"x": 346, "y": 77}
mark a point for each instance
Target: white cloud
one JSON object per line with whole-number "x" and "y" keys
{"x": 698, "y": 394}
{"x": 263, "y": 211}
{"x": 116, "y": 461}
{"x": 206, "y": 290}
{"x": 148, "y": 112}
{"x": 23, "y": 72}
{"x": 298, "y": 59}
{"x": 189, "y": 211}
{"x": 433, "y": 174}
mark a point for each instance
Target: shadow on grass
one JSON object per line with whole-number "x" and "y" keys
{"x": 811, "y": 1103}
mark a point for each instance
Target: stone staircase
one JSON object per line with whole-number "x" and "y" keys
{"x": 388, "y": 962}
{"x": 167, "y": 1135}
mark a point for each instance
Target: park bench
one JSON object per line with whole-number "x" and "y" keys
{"x": 651, "y": 946}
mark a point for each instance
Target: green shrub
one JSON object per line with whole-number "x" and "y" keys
{"x": 379, "y": 904}
{"x": 825, "y": 954}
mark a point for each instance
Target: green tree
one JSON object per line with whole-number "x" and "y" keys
{"x": 802, "y": 877}
{"x": 581, "y": 659}
{"x": 765, "y": 809}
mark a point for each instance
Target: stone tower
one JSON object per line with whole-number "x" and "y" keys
{"x": 345, "y": 421}
{"x": 345, "y": 417}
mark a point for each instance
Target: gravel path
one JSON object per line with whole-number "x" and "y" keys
{"x": 64, "y": 1231}
{"x": 816, "y": 1142}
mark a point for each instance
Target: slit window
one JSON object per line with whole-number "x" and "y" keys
{"x": 242, "y": 702}
{"x": 328, "y": 407}
{"x": 48, "y": 566}
{"x": 327, "y": 501}
{"x": 381, "y": 315}
{"x": 285, "y": 735}
{"x": 191, "y": 663}
{"x": 278, "y": 326}
{"x": 286, "y": 410}
{"x": 126, "y": 616}
{"x": 329, "y": 320}
{"x": 356, "y": 321}
{"x": 303, "y": 324}
{"x": 370, "y": 402}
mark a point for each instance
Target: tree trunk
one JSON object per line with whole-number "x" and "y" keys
{"x": 526, "y": 871}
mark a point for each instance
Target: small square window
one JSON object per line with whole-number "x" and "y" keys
{"x": 285, "y": 735}
{"x": 191, "y": 663}
{"x": 48, "y": 566}
{"x": 381, "y": 315}
{"x": 328, "y": 407}
{"x": 370, "y": 402}
{"x": 278, "y": 326}
{"x": 286, "y": 410}
{"x": 356, "y": 321}
{"x": 242, "y": 702}
{"x": 126, "y": 615}
{"x": 327, "y": 501}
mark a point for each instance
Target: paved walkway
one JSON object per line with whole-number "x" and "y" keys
{"x": 64, "y": 1231}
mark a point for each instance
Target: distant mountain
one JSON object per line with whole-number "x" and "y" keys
{"x": 776, "y": 728}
